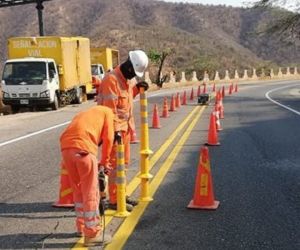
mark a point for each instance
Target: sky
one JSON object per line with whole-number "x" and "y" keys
{"x": 235, "y": 3}
{"x": 290, "y": 4}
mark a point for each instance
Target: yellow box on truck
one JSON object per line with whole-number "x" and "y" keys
{"x": 47, "y": 71}
{"x": 71, "y": 54}
{"x": 108, "y": 57}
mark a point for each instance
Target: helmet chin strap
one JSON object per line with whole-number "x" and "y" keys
{"x": 127, "y": 69}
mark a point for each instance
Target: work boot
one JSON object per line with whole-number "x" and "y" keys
{"x": 97, "y": 240}
{"x": 129, "y": 207}
{"x": 131, "y": 201}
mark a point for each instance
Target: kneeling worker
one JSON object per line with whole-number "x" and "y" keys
{"x": 79, "y": 145}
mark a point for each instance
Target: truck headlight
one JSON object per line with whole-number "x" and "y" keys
{"x": 45, "y": 93}
{"x": 5, "y": 95}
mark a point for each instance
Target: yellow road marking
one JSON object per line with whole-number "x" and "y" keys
{"x": 136, "y": 180}
{"x": 127, "y": 227}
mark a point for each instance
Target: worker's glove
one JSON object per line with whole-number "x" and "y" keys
{"x": 142, "y": 84}
{"x": 104, "y": 169}
{"x": 118, "y": 137}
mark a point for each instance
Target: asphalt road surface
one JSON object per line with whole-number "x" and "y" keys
{"x": 256, "y": 177}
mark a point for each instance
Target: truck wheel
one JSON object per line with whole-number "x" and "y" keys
{"x": 78, "y": 98}
{"x": 55, "y": 104}
{"x": 15, "y": 109}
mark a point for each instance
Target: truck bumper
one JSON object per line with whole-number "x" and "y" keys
{"x": 29, "y": 102}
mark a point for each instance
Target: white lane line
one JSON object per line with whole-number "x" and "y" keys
{"x": 267, "y": 95}
{"x": 56, "y": 126}
{"x": 150, "y": 95}
{"x": 33, "y": 134}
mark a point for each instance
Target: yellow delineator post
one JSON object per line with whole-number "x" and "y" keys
{"x": 145, "y": 150}
{"x": 121, "y": 183}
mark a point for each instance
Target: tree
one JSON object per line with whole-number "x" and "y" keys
{"x": 158, "y": 58}
{"x": 287, "y": 21}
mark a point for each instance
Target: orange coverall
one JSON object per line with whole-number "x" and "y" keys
{"x": 116, "y": 92}
{"x": 79, "y": 145}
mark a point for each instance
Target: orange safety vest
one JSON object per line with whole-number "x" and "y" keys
{"x": 117, "y": 93}
{"x": 88, "y": 129}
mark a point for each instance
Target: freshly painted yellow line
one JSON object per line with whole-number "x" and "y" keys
{"x": 136, "y": 181}
{"x": 130, "y": 222}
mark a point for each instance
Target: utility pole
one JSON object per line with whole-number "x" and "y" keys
{"x": 40, "y": 8}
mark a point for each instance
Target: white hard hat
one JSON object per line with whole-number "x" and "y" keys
{"x": 139, "y": 61}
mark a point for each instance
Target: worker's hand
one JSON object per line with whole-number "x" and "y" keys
{"x": 105, "y": 169}
{"x": 108, "y": 169}
{"x": 142, "y": 84}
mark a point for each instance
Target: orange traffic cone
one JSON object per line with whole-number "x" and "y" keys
{"x": 217, "y": 115}
{"x": 155, "y": 118}
{"x": 221, "y": 110}
{"x": 165, "y": 112}
{"x": 199, "y": 91}
{"x": 133, "y": 137}
{"x": 218, "y": 97}
{"x": 65, "y": 192}
{"x": 223, "y": 91}
{"x": 212, "y": 139}
{"x": 173, "y": 105}
{"x": 184, "y": 98}
{"x": 192, "y": 94}
{"x": 230, "y": 89}
{"x": 178, "y": 101}
{"x": 203, "y": 193}
{"x": 236, "y": 88}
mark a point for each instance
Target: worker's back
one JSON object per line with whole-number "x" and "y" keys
{"x": 88, "y": 128}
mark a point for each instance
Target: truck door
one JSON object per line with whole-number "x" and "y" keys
{"x": 53, "y": 79}
{"x": 101, "y": 72}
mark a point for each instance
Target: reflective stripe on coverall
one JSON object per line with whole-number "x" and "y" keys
{"x": 79, "y": 143}
{"x": 117, "y": 93}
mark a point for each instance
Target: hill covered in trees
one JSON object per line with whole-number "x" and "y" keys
{"x": 203, "y": 37}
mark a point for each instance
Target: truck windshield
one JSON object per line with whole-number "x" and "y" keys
{"x": 21, "y": 73}
{"x": 95, "y": 70}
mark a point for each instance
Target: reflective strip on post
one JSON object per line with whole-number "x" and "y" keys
{"x": 120, "y": 181}
{"x": 144, "y": 120}
{"x": 144, "y": 148}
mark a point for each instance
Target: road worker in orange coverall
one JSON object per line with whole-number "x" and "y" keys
{"x": 79, "y": 145}
{"x": 117, "y": 93}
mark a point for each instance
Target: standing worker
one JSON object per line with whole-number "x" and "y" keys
{"x": 79, "y": 145}
{"x": 117, "y": 93}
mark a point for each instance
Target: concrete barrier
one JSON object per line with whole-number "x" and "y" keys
{"x": 226, "y": 80}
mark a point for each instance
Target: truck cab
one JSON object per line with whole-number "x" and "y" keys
{"x": 30, "y": 82}
{"x": 97, "y": 71}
